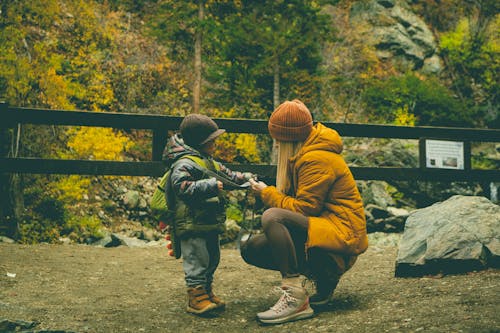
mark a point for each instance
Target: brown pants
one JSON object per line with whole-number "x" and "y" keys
{"x": 281, "y": 247}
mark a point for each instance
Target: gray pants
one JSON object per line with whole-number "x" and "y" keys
{"x": 201, "y": 257}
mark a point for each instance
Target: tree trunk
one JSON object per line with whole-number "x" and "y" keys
{"x": 276, "y": 84}
{"x": 11, "y": 198}
{"x": 276, "y": 103}
{"x": 197, "y": 61}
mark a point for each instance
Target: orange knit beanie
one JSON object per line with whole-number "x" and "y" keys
{"x": 291, "y": 121}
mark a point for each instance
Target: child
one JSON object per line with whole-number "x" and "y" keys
{"x": 199, "y": 209}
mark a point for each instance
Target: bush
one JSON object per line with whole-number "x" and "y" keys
{"x": 44, "y": 220}
{"x": 407, "y": 98}
{"x": 86, "y": 229}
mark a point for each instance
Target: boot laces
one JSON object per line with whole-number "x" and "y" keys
{"x": 285, "y": 300}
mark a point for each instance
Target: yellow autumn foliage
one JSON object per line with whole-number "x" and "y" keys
{"x": 54, "y": 92}
{"x": 404, "y": 117}
{"x": 69, "y": 189}
{"x": 231, "y": 146}
{"x": 96, "y": 143}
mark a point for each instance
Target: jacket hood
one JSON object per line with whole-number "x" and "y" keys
{"x": 323, "y": 138}
{"x": 176, "y": 148}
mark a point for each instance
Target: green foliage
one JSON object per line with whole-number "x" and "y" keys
{"x": 234, "y": 212}
{"x": 381, "y": 152}
{"x": 473, "y": 53}
{"x": 406, "y": 96}
{"x": 279, "y": 37}
{"x": 45, "y": 219}
{"x": 48, "y": 219}
{"x": 84, "y": 229}
{"x": 484, "y": 162}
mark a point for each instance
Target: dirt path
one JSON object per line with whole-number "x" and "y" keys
{"x": 87, "y": 289}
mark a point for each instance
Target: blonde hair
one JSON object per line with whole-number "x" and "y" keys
{"x": 287, "y": 149}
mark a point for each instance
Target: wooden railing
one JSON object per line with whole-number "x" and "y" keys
{"x": 160, "y": 125}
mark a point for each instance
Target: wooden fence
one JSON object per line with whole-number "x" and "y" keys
{"x": 160, "y": 125}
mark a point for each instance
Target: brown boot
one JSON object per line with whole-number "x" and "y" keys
{"x": 215, "y": 299}
{"x": 199, "y": 301}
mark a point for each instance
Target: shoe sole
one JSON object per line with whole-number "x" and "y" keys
{"x": 322, "y": 302}
{"x": 203, "y": 311}
{"x": 308, "y": 313}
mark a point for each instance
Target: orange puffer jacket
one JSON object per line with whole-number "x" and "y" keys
{"x": 325, "y": 191}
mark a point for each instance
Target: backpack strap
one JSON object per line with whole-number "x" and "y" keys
{"x": 209, "y": 168}
{"x": 169, "y": 193}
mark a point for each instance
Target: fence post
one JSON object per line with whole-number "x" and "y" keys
{"x": 159, "y": 139}
{"x": 8, "y": 225}
{"x": 421, "y": 153}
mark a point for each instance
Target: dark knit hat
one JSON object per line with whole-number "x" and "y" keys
{"x": 291, "y": 121}
{"x": 198, "y": 129}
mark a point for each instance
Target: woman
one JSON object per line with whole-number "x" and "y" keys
{"x": 315, "y": 225}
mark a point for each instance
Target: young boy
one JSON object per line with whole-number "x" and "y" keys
{"x": 199, "y": 208}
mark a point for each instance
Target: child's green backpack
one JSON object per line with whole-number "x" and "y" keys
{"x": 159, "y": 206}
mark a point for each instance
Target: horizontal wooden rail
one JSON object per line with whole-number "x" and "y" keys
{"x": 266, "y": 172}
{"x": 13, "y": 115}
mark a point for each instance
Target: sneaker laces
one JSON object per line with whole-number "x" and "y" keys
{"x": 285, "y": 299}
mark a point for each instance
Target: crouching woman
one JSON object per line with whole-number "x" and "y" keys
{"x": 315, "y": 223}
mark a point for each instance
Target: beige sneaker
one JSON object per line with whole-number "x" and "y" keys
{"x": 292, "y": 305}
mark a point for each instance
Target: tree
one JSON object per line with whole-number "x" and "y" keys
{"x": 269, "y": 47}
{"x": 472, "y": 55}
{"x": 180, "y": 26}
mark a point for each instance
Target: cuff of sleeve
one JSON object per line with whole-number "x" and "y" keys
{"x": 266, "y": 194}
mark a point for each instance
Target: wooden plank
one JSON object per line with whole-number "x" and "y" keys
{"x": 416, "y": 132}
{"x": 11, "y": 116}
{"x": 84, "y": 118}
{"x": 417, "y": 174}
{"x": 267, "y": 172}
{"x": 80, "y": 167}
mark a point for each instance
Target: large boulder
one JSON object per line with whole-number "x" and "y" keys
{"x": 458, "y": 235}
{"x": 398, "y": 34}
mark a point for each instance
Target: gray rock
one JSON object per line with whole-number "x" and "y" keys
{"x": 432, "y": 65}
{"x": 4, "y": 239}
{"x": 130, "y": 241}
{"x": 458, "y": 235}
{"x": 131, "y": 199}
{"x": 7, "y": 325}
{"x": 109, "y": 240}
{"x": 382, "y": 239}
{"x": 21, "y": 326}
{"x": 375, "y": 192}
{"x": 231, "y": 233}
{"x": 397, "y": 33}
{"x": 377, "y": 212}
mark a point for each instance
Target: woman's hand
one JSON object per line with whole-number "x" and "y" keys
{"x": 257, "y": 186}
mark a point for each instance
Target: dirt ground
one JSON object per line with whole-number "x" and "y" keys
{"x": 81, "y": 288}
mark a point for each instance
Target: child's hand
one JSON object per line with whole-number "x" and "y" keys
{"x": 249, "y": 175}
{"x": 257, "y": 186}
